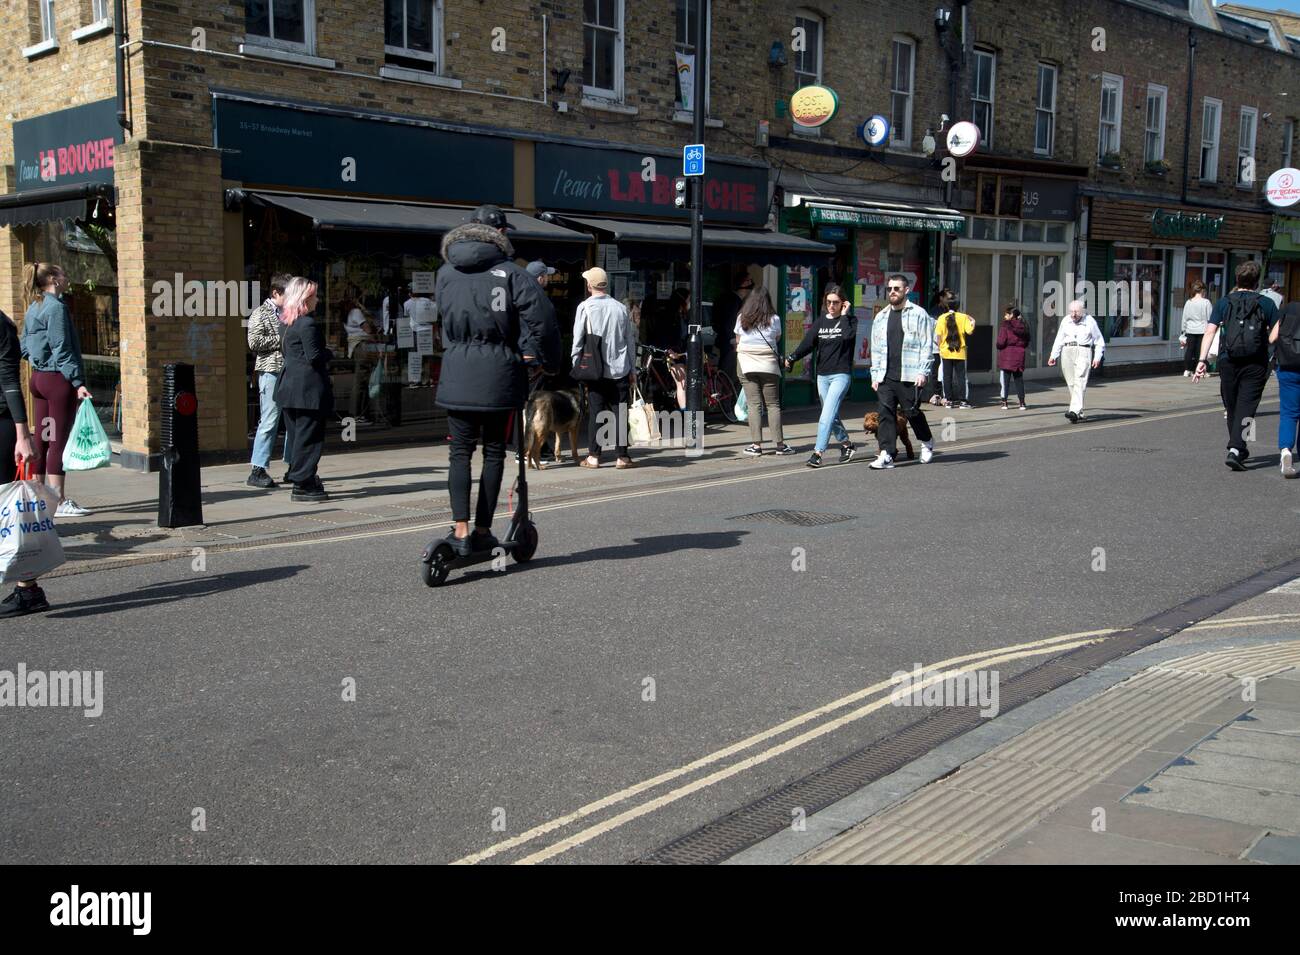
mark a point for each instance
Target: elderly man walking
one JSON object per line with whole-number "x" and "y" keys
{"x": 1079, "y": 347}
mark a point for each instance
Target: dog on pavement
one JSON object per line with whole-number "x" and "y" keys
{"x": 552, "y": 413}
{"x": 871, "y": 424}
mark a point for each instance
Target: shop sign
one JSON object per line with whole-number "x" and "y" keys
{"x": 270, "y": 144}
{"x": 1051, "y": 200}
{"x": 833, "y": 233}
{"x": 813, "y": 106}
{"x": 891, "y": 222}
{"x": 67, "y": 147}
{"x": 1283, "y": 188}
{"x": 582, "y": 179}
{"x": 1186, "y": 225}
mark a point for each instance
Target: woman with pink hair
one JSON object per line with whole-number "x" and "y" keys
{"x": 304, "y": 391}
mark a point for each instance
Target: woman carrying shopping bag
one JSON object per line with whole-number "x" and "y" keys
{"x": 834, "y": 337}
{"x": 16, "y": 450}
{"x": 58, "y": 383}
{"x": 758, "y": 329}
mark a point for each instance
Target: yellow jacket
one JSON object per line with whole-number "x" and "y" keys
{"x": 965, "y": 325}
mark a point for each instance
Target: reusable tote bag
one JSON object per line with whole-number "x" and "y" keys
{"x": 88, "y": 446}
{"x": 29, "y": 544}
{"x": 642, "y": 427}
{"x": 590, "y": 364}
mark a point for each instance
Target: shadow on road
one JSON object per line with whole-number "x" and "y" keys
{"x": 201, "y": 585}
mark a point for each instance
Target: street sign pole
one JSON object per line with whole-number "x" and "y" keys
{"x": 695, "y": 345}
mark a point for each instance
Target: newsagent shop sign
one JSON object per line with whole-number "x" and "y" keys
{"x": 67, "y": 147}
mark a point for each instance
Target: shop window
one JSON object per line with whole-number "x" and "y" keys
{"x": 290, "y": 24}
{"x": 902, "y": 75}
{"x": 1210, "y": 267}
{"x": 984, "y": 228}
{"x": 1210, "y": 114}
{"x": 1045, "y": 110}
{"x": 808, "y": 61}
{"x": 1011, "y": 192}
{"x": 1009, "y": 230}
{"x": 1157, "y": 97}
{"x": 982, "y": 95}
{"x": 1112, "y": 100}
{"x": 987, "y": 201}
{"x": 1033, "y": 232}
{"x": 1246, "y": 148}
{"x": 602, "y": 48}
{"x": 413, "y": 33}
{"x": 1054, "y": 233}
{"x": 684, "y": 45}
{"x": 1135, "y": 306}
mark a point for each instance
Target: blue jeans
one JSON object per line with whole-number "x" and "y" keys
{"x": 832, "y": 389}
{"x": 1288, "y": 417}
{"x": 269, "y": 423}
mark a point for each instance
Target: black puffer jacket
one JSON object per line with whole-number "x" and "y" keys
{"x": 493, "y": 313}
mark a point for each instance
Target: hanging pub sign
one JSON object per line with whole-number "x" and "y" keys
{"x": 1283, "y": 188}
{"x": 813, "y": 106}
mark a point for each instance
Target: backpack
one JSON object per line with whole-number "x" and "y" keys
{"x": 1288, "y": 339}
{"x": 1244, "y": 332}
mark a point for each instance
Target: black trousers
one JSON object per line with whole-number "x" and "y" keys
{"x": 1241, "y": 385}
{"x": 8, "y": 441}
{"x": 607, "y": 395}
{"x": 954, "y": 379}
{"x": 468, "y": 428}
{"x": 303, "y": 443}
{"x": 895, "y": 397}
{"x": 1192, "y": 353}
{"x": 1007, "y": 378}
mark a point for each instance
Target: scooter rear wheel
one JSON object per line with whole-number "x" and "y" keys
{"x": 435, "y": 570}
{"x": 527, "y": 546}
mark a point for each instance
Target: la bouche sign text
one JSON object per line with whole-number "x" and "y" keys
{"x": 66, "y": 147}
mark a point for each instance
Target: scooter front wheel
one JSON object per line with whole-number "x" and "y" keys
{"x": 437, "y": 566}
{"x": 527, "y": 546}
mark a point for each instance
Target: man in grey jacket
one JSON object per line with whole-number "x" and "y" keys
{"x": 265, "y": 335}
{"x": 606, "y": 316}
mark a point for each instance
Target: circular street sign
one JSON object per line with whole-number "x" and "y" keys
{"x": 813, "y": 106}
{"x": 875, "y": 131}
{"x": 1283, "y": 188}
{"x": 963, "y": 138}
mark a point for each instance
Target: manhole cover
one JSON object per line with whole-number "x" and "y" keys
{"x": 1124, "y": 450}
{"x": 794, "y": 518}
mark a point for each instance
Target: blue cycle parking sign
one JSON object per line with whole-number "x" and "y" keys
{"x": 693, "y": 160}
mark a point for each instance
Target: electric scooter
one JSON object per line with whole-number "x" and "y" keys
{"x": 520, "y": 542}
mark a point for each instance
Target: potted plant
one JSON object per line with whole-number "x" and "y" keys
{"x": 1112, "y": 160}
{"x": 1158, "y": 167}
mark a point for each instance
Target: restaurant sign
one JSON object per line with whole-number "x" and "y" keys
{"x": 1185, "y": 225}
{"x": 628, "y": 182}
{"x": 890, "y": 222}
{"x": 67, "y": 147}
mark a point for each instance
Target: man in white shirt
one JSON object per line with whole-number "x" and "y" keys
{"x": 1075, "y": 342}
{"x": 606, "y": 316}
{"x": 1274, "y": 291}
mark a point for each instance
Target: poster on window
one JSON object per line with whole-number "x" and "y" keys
{"x": 800, "y": 314}
{"x": 424, "y": 339}
{"x": 405, "y": 337}
{"x": 414, "y": 367}
{"x": 862, "y": 345}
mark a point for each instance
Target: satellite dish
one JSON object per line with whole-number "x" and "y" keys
{"x": 963, "y": 137}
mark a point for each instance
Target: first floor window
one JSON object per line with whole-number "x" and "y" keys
{"x": 900, "y": 92}
{"x": 1112, "y": 99}
{"x": 808, "y": 61}
{"x": 99, "y": 10}
{"x": 1134, "y": 301}
{"x": 1246, "y": 148}
{"x": 1210, "y": 140}
{"x": 684, "y": 44}
{"x": 1288, "y": 142}
{"x": 602, "y": 47}
{"x": 282, "y": 21}
{"x": 47, "y": 19}
{"x": 982, "y": 96}
{"x": 412, "y": 28}
{"x": 1157, "y": 96}
{"x": 1045, "y": 110}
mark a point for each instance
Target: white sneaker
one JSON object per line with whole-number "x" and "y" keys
{"x": 1288, "y": 464}
{"x": 70, "y": 508}
{"x": 1187, "y": 374}
{"x": 927, "y": 452}
{"x": 883, "y": 461}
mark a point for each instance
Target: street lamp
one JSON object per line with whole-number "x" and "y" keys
{"x": 941, "y": 17}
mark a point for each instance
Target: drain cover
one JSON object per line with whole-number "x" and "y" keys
{"x": 1125, "y": 450}
{"x": 794, "y": 518}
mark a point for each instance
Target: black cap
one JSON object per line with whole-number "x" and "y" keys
{"x": 490, "y": 215}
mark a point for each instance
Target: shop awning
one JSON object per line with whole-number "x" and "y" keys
{"x": 355, "y": 224}
{"x": 885, "y": 216}
{"x": 35, "y": 206}
{"x": 664, "y": 241}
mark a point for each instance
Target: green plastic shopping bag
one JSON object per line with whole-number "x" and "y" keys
{"x": 87, "y": 446}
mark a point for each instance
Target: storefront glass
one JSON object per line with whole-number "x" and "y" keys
{"x": 1138, "y": 312}
{"x": 1210, "y": 267}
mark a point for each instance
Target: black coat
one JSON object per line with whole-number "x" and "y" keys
{"x": 492, "y": 313}
{"x": 305, "y": 383}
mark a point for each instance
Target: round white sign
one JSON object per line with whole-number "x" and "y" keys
{"x": 875, "y": 130}
{"x": 1283, "y": 188}
{"x": 963, "y": 138}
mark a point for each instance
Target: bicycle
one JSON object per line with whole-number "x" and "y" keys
{"x": 661, "y": 387}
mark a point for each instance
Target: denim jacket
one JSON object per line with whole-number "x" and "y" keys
{"x": 918, "y": 338}
{"x": 50, "y": 340}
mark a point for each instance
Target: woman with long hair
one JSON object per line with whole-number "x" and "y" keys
{"x": 950, "y": 332}
{"x": 833, "y": 336}
{"x": 758, "y": 329}
{"x": 305, "y": 391}
{"x": 1013, "y": 343}
{"x": 1196, "y": 312}
{"x": 58, "y": 383}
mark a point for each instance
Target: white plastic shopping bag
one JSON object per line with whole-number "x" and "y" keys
{"x": 29, "y": 542}
{"x": 741, "y": 411}
{"x": 87, "y": 446}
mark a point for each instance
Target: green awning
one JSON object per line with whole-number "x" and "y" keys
{"x": 886, "y": 217}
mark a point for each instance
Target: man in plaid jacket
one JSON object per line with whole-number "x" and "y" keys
{"x": 265, "y": 334}
{"x": 901, "y": 356}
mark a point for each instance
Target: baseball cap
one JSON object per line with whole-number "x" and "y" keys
{"x": 596, "y": 277}
{"x": 539, "y": 268}
{"x": 490, "y": 215}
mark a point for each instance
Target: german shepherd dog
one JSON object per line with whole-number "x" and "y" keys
{"x": 871, "y": 424}
{"x": 552, "y": 412}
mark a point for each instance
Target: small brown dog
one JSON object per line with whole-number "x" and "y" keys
{"x": 552, "y": 413}
{"x": 871, "y": 424}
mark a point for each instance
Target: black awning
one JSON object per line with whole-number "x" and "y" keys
{"x": 667, "y": 241}
{"x": 35, "y": 206}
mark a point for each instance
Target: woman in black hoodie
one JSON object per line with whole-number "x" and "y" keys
{"x": 834, "y": 336}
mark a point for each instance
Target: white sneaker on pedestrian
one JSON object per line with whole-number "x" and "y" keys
{"x": 1288, "y": 464}
{"x": 1187, "y": 374}
{"x": 70, "y": 508}
{"x": 927, "y": 452}
{"x": 883, "y": 461}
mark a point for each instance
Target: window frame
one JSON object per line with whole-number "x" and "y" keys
{"x": 306, "y": 45}
{"x": 49, "y": 32}
{"x": 986, "y": 135}
{"x": 614, "y": 95}
{"x": 1050, "y": 113}
{"x": 681, "y": 46}
{"x": 1288, "y": 143}
{"x": 406, "y": 52}
{"x": 1253, "y": 113}
{"x": 99, "y": 10}
{"x": 810, "y": 17}
{"x": 1159, "y": 318}
{"x": 1216, "y": 142}
{"x": 1163, "y": 92}
{"x": 1116, "y": 82}
{"x": 896, "y": 139}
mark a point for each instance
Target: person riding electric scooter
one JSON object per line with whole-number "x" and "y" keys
{"x": 496, "y": 320}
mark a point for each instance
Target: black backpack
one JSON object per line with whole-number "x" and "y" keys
{"x": 1288, "y": 339}
{"x": 1244, "y": 333}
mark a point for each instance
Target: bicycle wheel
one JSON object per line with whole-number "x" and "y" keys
{"x": 724, "y": 393}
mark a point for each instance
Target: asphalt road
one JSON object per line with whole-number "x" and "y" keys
{"x": 506, "y": 700}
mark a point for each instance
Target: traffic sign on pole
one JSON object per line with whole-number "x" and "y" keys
{"x": 693, "y": 160}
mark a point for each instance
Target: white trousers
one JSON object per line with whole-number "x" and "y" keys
{"x": 1076, "y": 366}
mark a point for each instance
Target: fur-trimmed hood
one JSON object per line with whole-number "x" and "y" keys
{"x": 473, "y": 247}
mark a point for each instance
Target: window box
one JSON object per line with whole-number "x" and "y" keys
{"x": 1112, "y": 161}
{"x": 1158, "y": 167}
